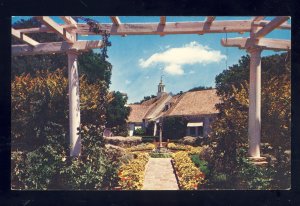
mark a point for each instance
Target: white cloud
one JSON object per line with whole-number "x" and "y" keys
{"x": 174, "y": 69}
{"x": 127, "y": 81}
{"x": 192, "y": 72}
{"x": 189, "y": 54}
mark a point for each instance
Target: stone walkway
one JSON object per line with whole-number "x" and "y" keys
{"x": 159, "y": 175}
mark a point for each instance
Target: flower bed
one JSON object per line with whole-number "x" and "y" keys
{"x": 189, "y": 176}
{"x": 142, "y": 147}
{"x": 132, "y": 174}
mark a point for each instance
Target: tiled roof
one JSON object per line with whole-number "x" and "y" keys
{"x": 186, "y": 104}
{"x": 195, "y": 103}
{"x": 137, "y": 112}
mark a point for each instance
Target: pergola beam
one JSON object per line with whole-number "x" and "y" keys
{"x": 23, "y": 37}
{"x": 69, "y": 20}
{"x": 70, "y": 38}
{"x": 277, "y": 21}
{"x": 162, "y": 20}
{"x": 149, "y": 28}
{"x": 210, "y": 19}
{"x": 54, "y": 47}
{"x": 115, "y": 20}
{"x": 257, "y": 18}
{"x": 266, "y": 44}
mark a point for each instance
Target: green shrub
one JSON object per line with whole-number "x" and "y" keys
{"x": 201, "y": 164}
{"x": 160, "y": 155}
{"x": 174, "y": 127}
{"x": 139, "y": 132}
{"x": 252, "y": 176}
{"x": 50, "y": 167}
{"x": 148, "y": 139}
{"x": 123, "y": 141}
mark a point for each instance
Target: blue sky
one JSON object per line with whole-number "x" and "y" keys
{"x": 186, "y": 61}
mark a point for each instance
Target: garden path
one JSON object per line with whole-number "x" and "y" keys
{"x": 159, "y": 175}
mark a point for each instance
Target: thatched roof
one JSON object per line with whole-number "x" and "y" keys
{"x": 194, "y": 103}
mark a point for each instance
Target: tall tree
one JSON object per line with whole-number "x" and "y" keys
{"x": 231, "y": 127}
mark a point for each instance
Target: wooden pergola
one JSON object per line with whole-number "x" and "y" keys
{"x": 257, "y": 27}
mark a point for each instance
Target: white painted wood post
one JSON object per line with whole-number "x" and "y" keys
{"x": 155, "y": 128}
{"x": 74, "y": 103}
{"x": 160, "y": 135}
{"x": 254, "y": 124}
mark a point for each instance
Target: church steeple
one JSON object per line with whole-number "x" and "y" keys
{"x": 161, "y": 87}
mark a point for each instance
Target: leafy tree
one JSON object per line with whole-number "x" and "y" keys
{"x": 200, "y": 88}
{"x": 174, "y": 127}
{"x": 42, "y": 100}
{"x": 117, "y": 112}
{"x": 231, "y": 127}
{"x": 146, "y": 98}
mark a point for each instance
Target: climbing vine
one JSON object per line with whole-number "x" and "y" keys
{"x": 96, "y": 28}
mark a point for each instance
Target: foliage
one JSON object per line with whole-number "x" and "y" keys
{"x": 174, "y": 127}
{"x": 132, "y": 174}
{"x": 201, "y": 164}
{"x": 142, "y": 147}
{"x": 161, "y": 153}
{"x": 146, "y": 98}
{"x": 94, "y": 68}
{"x": 178, "y": 146}
{"x": 200, "y": 88}
{"x": 253, "y": 177}
{"x": 146, "y": 139}
{"x": 139, "y": 131}
{"x": 230, "y": 130}
{"x": 49, "y": 167}
{"x": 42, "y": 100}
{"x": 123, "y": 141}
{"x": 117, "y": 113}
{"x": 189, "y": 175}
{"x": 150, "y": 128}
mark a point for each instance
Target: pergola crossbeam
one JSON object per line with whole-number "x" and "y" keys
{"x": 277, "y": 21}
{"x": 257, "y": 18}
{"x": 69, "y": 21}
{"x": 170, "y": 28}
{"x": 116, "y": 20}
{"x": 162, "y": 20}
{"x": 266, "y": 44}
{"x": 23, "y": 37}
{"x": 55, "y": 47}
{"x": 210, "y": 19}
{"x": 70, "y": 38}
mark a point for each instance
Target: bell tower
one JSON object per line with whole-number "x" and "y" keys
{"x": 161, "y": 87}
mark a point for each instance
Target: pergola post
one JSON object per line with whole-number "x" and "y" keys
{"x": 74, "y": 103}
{"x": 160, "y": 135}
{"x": 254, "y": 124}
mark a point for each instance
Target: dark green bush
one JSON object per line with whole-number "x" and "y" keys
{"x": 201, "y": 164}
{"x": 149, "y": 139}
{"x": 174, "y": 127}
{"x": 50, "y": 167}
{"x": 139, "y": 132}
{"x": 160, "y": 155}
